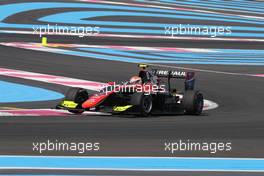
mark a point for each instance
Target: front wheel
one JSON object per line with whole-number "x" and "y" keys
{"x": 193, "y": 102}
{"x": 143, "y": 102}
{"x": 146, "y": 105}
{"x": 77, "y": 95}
{"x": 76, "y": 111}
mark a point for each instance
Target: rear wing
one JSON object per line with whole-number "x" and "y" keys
{"x": 169, "y": 73}
{"x": 188, "y": 76}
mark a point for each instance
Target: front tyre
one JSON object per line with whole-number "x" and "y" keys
{"x": 76, "y": 111}
{"x": 193, "y": 102}
{"x": 77, "y": 95}
{"x": 143, "y": 102}
{"x": 146, "y": 105}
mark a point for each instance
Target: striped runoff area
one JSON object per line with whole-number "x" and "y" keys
{"x": 71, "y": 82}
{"x": 164, "y": 55}
{"x": 124, "y": 19}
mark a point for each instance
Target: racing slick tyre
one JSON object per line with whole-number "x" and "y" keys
{"x": 144, "y": 103}
{"x": 193, "y": 102}
{"x": 78, "y": 95}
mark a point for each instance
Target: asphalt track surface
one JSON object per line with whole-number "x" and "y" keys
{"x": 238, "y": 119}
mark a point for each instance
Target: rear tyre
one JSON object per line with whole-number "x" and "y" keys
{"x": 193, "y": 102}
{"x": 78, "y": 95}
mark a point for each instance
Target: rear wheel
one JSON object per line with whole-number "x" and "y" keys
{"x": 77, "y": 95}
{"x": 193, "y": 102}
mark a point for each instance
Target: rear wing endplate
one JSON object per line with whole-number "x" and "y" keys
{"x": 188, "y": 76}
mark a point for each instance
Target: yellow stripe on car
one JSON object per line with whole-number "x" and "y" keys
{"x": 122, "y": 108}
{"x": 69, "y": 104}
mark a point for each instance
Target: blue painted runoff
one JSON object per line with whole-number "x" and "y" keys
{"x": 223, "y": 56}
{"x": 133, "y": 163}
{"x": 12, "y": 92}
{"x": 179, "y": 58}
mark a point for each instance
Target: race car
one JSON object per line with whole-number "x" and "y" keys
{"x": 143, "y": 95}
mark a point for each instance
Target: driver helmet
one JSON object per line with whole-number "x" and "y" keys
{"x": 135, "y": 80}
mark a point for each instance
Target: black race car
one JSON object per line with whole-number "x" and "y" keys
{"x": 144, "y": 95}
